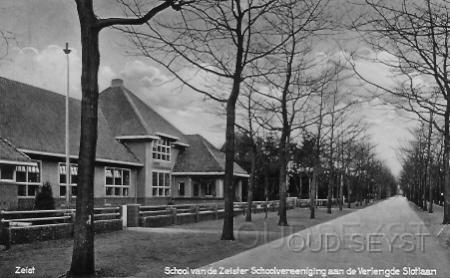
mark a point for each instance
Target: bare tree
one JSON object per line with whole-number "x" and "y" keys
{"x": 224, "y": 41}
{"x": 83, "y": 251}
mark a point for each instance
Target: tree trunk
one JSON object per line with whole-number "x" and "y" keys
{"x": 300, "y": 186}
{"x": 312, "y": 194}
{"x": 446, "y": 219}
{"x": 227, "y": 230}
{"x": 251, "y": 185}
{"x": 341, "y": 192}
{"x": 282, "y": 179}
{"x": 83, "y": 249}
{"x": 266, "y": 193}
{"x": 349, "y": 193}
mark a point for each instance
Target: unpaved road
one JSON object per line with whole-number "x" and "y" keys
{"x": 387, "y": 239}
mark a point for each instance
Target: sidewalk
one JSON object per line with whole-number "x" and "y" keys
{"x": 380, "y": 246}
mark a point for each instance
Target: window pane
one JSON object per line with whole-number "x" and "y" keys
{"x": 33, "y": 177}
{"x": 109, "y": 181}
{"x": 181, "y": 189}
{"x": 7, "y": 172}
{"x": 108, "y": 172}
{"x": 154, "y": 191}
{"x": 74, "y": 179}
{"x": 108, "y": 191}
{"x": 160, "y": 192}
{"x": 155, "y": 178}
{"x": 161, "y": 179}
{"x": 126, "y": 177}
{"x": 21, "y": 176}
{"x": 62, "y": 179}
{"x": 22, "y": 190}
{"x": 74, "y": 190}
{"x": 32, "y": 190}
{"x": 125, "y": 192}
{"x": 118, "y": 180}
{"x": 62, "y": 169}
{"x": 62, "y": 191}
{"x": 117, "y": 191}
{"x": 167, "y": 193}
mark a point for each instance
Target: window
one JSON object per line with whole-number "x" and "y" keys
{"x": 161, "y": 184}
{"x": 161, "y": 149}
{"x": 28, "y": 179}
{"x": 117, "y": 181}
{"x": 7, "y": 172}
{"x": 181, "y": 189}
{"x": 196, "y": 189}
{"x": 63, "y": 179}
{"x": 210, "y": 189}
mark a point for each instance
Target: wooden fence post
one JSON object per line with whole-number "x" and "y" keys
{"x": 196, "y": 210}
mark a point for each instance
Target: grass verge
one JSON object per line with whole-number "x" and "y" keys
{"x": 145, "y": 254}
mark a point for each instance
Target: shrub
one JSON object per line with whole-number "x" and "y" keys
{"x": 44, "y": 198}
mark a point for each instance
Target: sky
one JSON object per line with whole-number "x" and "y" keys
{"x": 41, "y": 29}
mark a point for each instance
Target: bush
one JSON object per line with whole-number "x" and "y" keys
{"x": 44, "y": 198}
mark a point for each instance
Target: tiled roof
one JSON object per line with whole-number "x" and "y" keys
{"x": 8, "y": 152}
{"x": 202, "y": 157}
{"x": 128, "y": 115}
{"x": 34, "y": 119}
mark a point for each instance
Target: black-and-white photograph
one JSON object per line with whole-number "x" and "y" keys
{"x": 224, "y": 138}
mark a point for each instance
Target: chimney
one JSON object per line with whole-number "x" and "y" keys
{"x": 116, "y": 82}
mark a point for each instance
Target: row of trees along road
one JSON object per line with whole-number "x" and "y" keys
{"x": 414, "y": 35}
{"x": 422, "y": 179}
{"x": 232, "y": 44}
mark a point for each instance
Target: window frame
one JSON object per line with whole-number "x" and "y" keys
{"x": 164, "y": 186}
{"x": 162, "y": 149}
{"x": 28, "y": 183}
{"x": 64, "y": 184}
{"x": 122, "y": 187}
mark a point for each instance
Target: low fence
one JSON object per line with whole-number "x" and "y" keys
{"x": 32, "y": 225}
{"x": 38, "y": 225}
{"x": 319, "y": 202}
{"x": 160, "y": 216}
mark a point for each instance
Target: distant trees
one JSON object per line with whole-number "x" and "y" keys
{"x": 421, "y": 178}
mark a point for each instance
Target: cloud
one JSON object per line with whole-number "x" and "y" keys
{"x": 187, "y": 109}
{"x": 47, "y": 68}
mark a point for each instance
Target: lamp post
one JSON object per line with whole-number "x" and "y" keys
{"x": 68, "y": 170}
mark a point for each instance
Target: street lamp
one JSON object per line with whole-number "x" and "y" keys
{"x": 68, "y": 172}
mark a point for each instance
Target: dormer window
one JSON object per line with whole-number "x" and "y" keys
{"x": 161, "y": 149}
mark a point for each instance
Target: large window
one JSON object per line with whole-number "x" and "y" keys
{"x": 28, "y": 179}
{"x": 161, "y": 149}
{"x": 161, "y": 184}
{"x": 63, "y": 179}
{"x": 117, "y": 181}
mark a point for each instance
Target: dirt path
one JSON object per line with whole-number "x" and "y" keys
{"x": 387, "y": 239}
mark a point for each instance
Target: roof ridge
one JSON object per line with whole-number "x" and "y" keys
{"x": 21, "y": 83}
{"x": 207, "y": 145}
{"x": 7, "y": 142}
{"x": 136, "y": 110}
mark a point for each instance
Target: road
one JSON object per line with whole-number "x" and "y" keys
{"x": 386, "y": 239}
